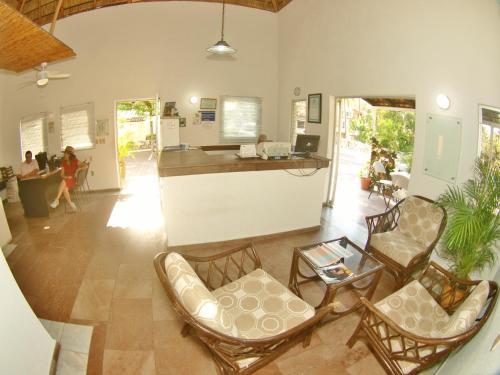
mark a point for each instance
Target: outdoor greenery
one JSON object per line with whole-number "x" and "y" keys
{"x": 473, "y": 229}
{"x": 125, "y": 145}
{"x": 140, "y": 107}
{"x": 393, "y": 130}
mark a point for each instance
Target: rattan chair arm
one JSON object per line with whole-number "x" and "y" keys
{"x": 450, "y": 277}
{"x": 225, "y": 254}
{"x": 382, "y": 222}
{"x": 453, "y": 340}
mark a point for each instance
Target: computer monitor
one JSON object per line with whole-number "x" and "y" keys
{"x": 306, "y": 143}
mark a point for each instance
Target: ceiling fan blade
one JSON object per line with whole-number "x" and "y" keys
{"x": 58, "y": 76}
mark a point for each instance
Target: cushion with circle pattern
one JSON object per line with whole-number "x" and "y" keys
{"x": 195, "y": 297}
{"x": 260, "y": 307}
{"x": 420, "y": 220}
{"x": 413, "y": 309}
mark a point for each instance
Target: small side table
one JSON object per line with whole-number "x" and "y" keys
{"x": 363, "y": 265}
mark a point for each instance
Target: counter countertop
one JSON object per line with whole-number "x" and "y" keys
{"x": 182, "y": 163}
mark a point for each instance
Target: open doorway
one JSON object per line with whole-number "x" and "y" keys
{"x": 373, "y": 155}
{"x": 299, "y": 109}
{"x": 139, "y": 203}
{"x": 136, "y": 122}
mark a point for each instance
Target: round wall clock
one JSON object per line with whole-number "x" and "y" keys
{"x": 296, "y": 91}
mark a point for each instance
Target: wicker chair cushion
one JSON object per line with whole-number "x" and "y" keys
{"x": 260, "y": 307}
{"x": 463, "y": 318}
{"x": 413, "y": 309}
{"x": 397, "y": 246}
{"x": 420, "y": 220}
{"x": 195, "y": 297}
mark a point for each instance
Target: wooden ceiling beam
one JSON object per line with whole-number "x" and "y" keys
{"x": 35, "y": 8}
{"x": 56, "y": 15}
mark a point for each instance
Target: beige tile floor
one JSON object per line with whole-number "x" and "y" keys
{"x": 77, "y": 268}
{"x": 74, "y": 341}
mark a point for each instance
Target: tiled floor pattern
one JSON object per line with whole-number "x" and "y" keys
{"x": 74, "y": 341}
{"x": 76, "y": 268}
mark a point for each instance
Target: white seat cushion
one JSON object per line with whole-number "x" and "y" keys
{"x": 397, "y": 246}
{"x": 420, "y": 220}
{"x": 463, "y": 318}
{"x": 413, "y": 309}
{"x": 260, "y": 307}
{"x": 195, "y": 297}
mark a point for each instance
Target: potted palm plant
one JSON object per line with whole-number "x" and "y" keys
{"x": 473, "y": 226}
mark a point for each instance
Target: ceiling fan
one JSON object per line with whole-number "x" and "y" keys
{"x": 43, "y": 76}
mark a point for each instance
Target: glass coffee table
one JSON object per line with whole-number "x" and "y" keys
{"x": 356, "y": 270}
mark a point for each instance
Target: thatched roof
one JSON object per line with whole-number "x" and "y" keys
{"x": 42, "y": 11}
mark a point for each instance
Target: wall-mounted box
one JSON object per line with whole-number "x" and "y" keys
{"x": 443, "y": 138}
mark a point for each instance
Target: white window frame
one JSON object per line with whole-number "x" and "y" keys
{"x": 43, "y": 117}
{"x": 90, "y": 131}
{"x": 492, "y": 126}
{"x": 226, "y": 138}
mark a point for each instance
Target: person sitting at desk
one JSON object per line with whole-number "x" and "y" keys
{"x": 70, "y": 166}
{"x": 29, "y": 167}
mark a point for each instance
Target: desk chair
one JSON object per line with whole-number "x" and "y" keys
{"x": 382, "y": 186}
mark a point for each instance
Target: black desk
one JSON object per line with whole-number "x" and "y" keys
{"x": 35, "y": 194}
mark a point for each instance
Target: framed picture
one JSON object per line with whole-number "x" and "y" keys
{"x": 208, "y": 103}
{"x": 182, "y": 122}
{"x": 314, "y": 108}
{"x": 207, "y": 116}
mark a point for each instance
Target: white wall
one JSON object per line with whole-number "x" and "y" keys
{"x": 26, "y": 347}
{"x": 394, "y": 47}
{"x": 140, "y": 50}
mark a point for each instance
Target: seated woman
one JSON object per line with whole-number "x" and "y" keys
{"x": 29, "y": 167}
{"x": 69, "y": 167}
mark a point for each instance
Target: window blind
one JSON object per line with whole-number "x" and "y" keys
{"x": 33, "y": 135}
{"x": 240, "y": 119}
{"x": 77, "y": 126}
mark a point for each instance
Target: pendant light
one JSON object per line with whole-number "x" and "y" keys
{"x": 221, "y": 47}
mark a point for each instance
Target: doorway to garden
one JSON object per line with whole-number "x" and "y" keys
{"x": 138, "y": 205}
{"x": 372, "y": 156}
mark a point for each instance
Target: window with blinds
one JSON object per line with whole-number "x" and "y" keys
{"x": 489, "y": 119}
{"x": 77, "y": 126}
{"x": 33, "y": 135}
{"x": 240, "y": 119}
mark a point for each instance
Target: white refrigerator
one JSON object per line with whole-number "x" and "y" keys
{"x": 168, "y": 132}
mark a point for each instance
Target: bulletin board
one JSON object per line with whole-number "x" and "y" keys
{"x": 443, "y": 139}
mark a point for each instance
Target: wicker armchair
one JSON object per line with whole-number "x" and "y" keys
{"x": 403, "y": 237}
{"x": 239, "y": 312}
{"x": 427, "y": 319}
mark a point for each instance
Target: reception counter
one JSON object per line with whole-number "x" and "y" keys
{"x": 210, "y": 197}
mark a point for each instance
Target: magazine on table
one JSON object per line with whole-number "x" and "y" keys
{"x": 336, "y": 273}
{"x": 321, "y": 256}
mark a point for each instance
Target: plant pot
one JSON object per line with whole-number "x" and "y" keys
{"x": 365, "y": 183}
{"x": 452, "y": 295}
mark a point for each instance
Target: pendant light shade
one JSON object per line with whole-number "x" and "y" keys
{"x": 221, "y": 47}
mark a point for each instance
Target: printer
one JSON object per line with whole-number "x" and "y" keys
{"x": 274, "y": 150}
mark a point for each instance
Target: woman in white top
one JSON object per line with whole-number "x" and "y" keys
{"x": 29, "y": 168}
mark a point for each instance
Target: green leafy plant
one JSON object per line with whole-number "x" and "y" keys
{"x": 125, "y": 146}
{"x": 473, "y": 223}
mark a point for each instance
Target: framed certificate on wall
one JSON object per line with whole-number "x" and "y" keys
{"x": 314, "y": 108}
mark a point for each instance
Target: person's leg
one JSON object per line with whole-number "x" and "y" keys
{"x": 63, "y": 189}
{"x": 67, "y": 196}
{"x": 60, "y": 189}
